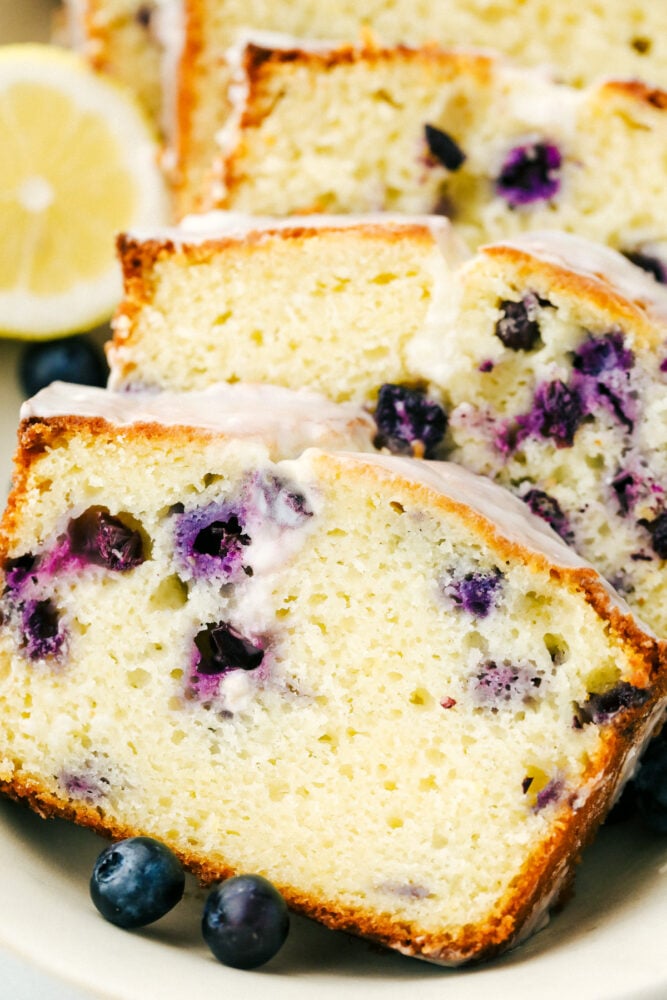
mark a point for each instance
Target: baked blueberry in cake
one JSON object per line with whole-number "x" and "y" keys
{"x": 580, "y": 43}
{"x": 209, "y": 632}
{"x": 498, "y": 149}
{"x": 540, "y": 362}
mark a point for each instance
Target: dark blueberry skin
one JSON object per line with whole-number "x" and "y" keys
{"x": 245, "y": 921}
{"x": 42, "y": 633}
{"x": 548, "y": 508}
{"x": 650, "y": 787}
{"x": 222, "y": 648}
{"x": 530, "y": 173}
{"x": 103, "y": 540}
{"x": 603, "y": 354}
{"x": 408, "y": 422}
{"x": 136, "y": 881}
{"x": 517, "y": 327}
{"x": 476, "y": 593}
{"x": 557, "y": 413}
{"x": 626, "y": 486}
{"x": 652, "y": 265}
{"x": 210, "y": 540}
{"x": 657, "y": 529}
{"x": 69, "y": 359}
{"x": 601, "y": 708}
{"x": 444, "y": 148}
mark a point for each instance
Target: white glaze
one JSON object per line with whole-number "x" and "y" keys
{"x": 575, "y": 253}
{"x": 291, "y": 420}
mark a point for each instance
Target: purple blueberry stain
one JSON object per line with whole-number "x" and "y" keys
{"x": 602, "y": 377}
{"x": 444, "y": 148}
{"x": 548, "y": 508}
{"x": 43, "y": 633}
{"x": 100, "y": 539}
{"x": 556, "y": 414}
{"x": 518, "y": 328}
{"x": 210, "y": 540}
{"x": 84, "y": 786}
{"x": 19, "y": 571}
{"x": 548, "y": 795}
{"x": 494, "y": 684}
{"x": 408, "y": 422}
{"x": 475, "y": 593}
{"x": 220, "y": 648}
{"x": 603, "y": 706}
{"x": 603, "y": 354}
{"x": 530, "y": 173}
{"x": 277, "y": 500}
{"x": 627, "y": 488}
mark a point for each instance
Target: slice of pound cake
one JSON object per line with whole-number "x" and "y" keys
{"x": 498, "y": 149}
{"x": 578, "y": 41}
{"x": 391, "y": 665}
{"x": 540, "y": 362}
{"x": 327, "y": 302}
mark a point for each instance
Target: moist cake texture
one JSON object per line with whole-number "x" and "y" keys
{"x": 499, "y": 150}
{"x": 540, "y": 362}
{"x": 390, "y": 664}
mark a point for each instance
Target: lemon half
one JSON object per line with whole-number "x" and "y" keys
{"x": 78, "y": 164}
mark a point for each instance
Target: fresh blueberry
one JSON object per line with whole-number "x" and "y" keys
{"x": 530, "y": 173}
{"x": 245, "y": 921}
{"x": 136, "y": 881}
{"x": 69, "y": 359}
{"x": 444, "y": 148}
{"x": 651, "y": 787}
{"x": 408, "y": 422}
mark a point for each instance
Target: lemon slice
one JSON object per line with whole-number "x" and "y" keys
{"x": 78, "y": 164}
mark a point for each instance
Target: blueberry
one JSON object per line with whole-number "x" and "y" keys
{"x": 603, "y": 354}
{"x": 548, "y": 508}
{"x": 530, "y": 173}
{"x": 517, "y": 327}
{"x": 657, "y": 528}
{"x": 602, "y": 707}
{"x": 43, "y": 634}
{"x": 222, "y": 648}
{"x": 652, "y": 265}
{"x": 245, "y": 921}
{"x": 69, "y": 359}
{"x": 408, "y": 422}
{"x": 476, "y": 593}
{"x": 557, "y": 413}
{"x": 136, "y": 881}
{"x": 627, "y": 488}
{"x": 651, "y": 787}
{"x": 210, "y": 540}
{"x": 444, "y": 148}
{"x": 104, "y": 540}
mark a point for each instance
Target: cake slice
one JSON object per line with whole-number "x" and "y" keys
{"x": 541, "y": 363}
{"x": 391, "y": 665}
{"x": 330, "y": 303}
{"x": 579, "y": 42}
{"x": 500, "y": 150}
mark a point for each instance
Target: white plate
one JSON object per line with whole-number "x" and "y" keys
{"x": 609, "y": 943}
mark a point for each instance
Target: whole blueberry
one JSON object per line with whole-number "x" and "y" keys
{"x": 651, "y": 787}
{"x": 245, "y": 921}
{"x": 136, "y": 881}
{"x": 69, "y": 359}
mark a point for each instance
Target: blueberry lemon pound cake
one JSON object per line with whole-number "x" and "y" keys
{"x": 325, "y": 302}
{"x": 498, "y": 149}
{"x": 541, "y": 363}
{"x": 578, "y": 41}
{"x": 392, "y": 665}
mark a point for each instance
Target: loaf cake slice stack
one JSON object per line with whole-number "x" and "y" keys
{"x": 380, "y": 682}
{"x": 538, "y": 362}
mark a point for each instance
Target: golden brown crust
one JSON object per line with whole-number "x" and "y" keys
{"x": 595, "y": 291}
